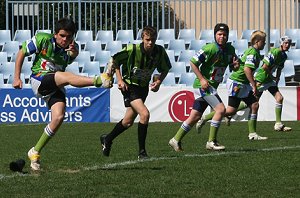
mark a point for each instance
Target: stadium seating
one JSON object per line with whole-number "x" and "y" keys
{"x": 240, "y": 46}
{"x": 207, "y": 35}
{"x": 125, "y": 36}
{"x": 160, "y": 42}
{"x": 187, "y": 35}
{"x": 139, "y": 35}
{"x": 84, "y": 36}
{"x": 44, "y": 31}
{"x": 166, "y": 35}
{"x": 103, "y": 58}
{"x": 91, "y": 68}
{"x": 294, "y": 54}
{"x": 282, "y": 82}
{"x": 73, "y": 68}
{"x": 10, "y": 81}
{"x": 197, "y": 44}
{"x": 82, "y": 58}
{"x": 3, "y": 57}
{"x": 292, "y": 33}
{"x": 232, "y": 36}
{"x": 169, "y": 80}
{"x": 113, "y": 47}
{"x": 178, "y": 68}
{"x": 11, "y": 47}
{"x": 297, "y": 44}
{"x": 26, "y": 69}
{"x": 93, "y": 47}
{"x": 5, "y": 36}
{"x": 7, "y": 68}
{"x": 171, "y": 55}
{"x": 274, "y": 37}
{"x": 22, "y": 35}
{"x": 185, "y": 56}
{"x": 246, "y": 34}
{"x": 104, "y": 36}
{"x": 177, "y": 45}
{"x": 187, "y": 79}
{"x": 289, "y": 70}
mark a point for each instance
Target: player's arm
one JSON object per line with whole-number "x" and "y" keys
{"x": 248, "y": 73}
{"x": 204, "y": 82}
{"x": 17, "y": 84}
{"x": 155, "y": 85}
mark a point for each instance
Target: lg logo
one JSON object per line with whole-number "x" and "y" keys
{"x": 180, "y": 105}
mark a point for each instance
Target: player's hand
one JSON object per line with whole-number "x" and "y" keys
{"x": 235, "y": 65}
{"x": 72, "y": 50}
{"x": 155, "y": 85}
{"x": 17, "y": 84}
{"x": 204, "y": 84}
{"x": 122, "y": 85}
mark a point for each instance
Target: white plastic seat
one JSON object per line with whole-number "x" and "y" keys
{"x": 289, "y": 68}
{"x": 275, "y": 37}
{"x": 82, "y": 58}
{"x": 240, "y": 46}
{"x": 93, "y": 47}
{"x": 3, "y": 57}
{"x": 160, "y": 42}
{"x": 139, "y": 34}
{"x": 169, "y": 80}
{"x": 177, "y": 45}
{"x": 294, "y": 54}
{"x": 187, "y": 79}
{"x": 166, "y": 35}
{"x": 5, "y": 36}
{"x": 11, "y": 47}
{"x": 104, "y": 36}
{"x": 246, "y": 34}
{"x": 178, "y": 68}
{"x": 26, "y": 69}
{"x": 22, "y": 35}
{"x": 282, "y": 82}
{"x": 7, "y": 68}
{"x": 187, "y": 35}
{"x": 197, "y": 45}
{"x": 125, "y": 36}
{"x": 84, "y": 36}
{"x": 113, "y": 47}
{"x": 43, "y": 31}
{"x": 171, "y": 55}
{"x": 292, "y": 33}
{"x": 207, "y": 35}
{"x": 103, "y": 58}
{"x": 73, "y": 68}
{"x": 185, "y": 56}
{"x": 91, "y": 68}
{"x": 232, "y": 36}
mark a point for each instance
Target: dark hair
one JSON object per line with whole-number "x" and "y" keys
{"x": 65, "y": 24}
{"x": 149, "y": 30}
{"x": 221, "y": 26}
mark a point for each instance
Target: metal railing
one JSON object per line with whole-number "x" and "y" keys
{"x": 135, "y": 14}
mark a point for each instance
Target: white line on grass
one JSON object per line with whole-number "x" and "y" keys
{"x": 130, "y": 162}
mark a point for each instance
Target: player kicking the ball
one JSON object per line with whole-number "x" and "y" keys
{"x": 53, "y": 53}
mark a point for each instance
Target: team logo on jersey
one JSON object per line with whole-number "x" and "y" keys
{"x": 180, "y": 105}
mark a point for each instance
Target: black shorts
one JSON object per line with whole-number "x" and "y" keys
{"x": 48, "y": 86}
{"x": 134, "y": 92}
{"x": 235, "y": 101}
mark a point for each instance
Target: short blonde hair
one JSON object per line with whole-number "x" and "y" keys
{"x": 257, "y": 36}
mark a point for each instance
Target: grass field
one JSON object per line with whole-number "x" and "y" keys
{"x": 73, "y": 165}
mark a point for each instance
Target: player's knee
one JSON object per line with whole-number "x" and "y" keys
{"x": 145, "y": 116}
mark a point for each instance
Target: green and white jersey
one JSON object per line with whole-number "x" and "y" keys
{"x": 212, "y": 62}
{"x": 137, "y": 66}
{"x": 274, "y": 60}
{"x": 251, "y": 58}
{"x": 49, "y": 57}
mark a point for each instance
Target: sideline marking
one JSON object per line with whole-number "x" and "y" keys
{"x": 130, "y": 162}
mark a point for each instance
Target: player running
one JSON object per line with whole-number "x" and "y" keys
{"x": 209, "y": 65}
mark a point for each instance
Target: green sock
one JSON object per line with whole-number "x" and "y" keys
{"x": 46, "y": 136}
{"x": 182, "y": 131}
{"x": 242, "y": 106}
{"x": 209, "y": 116}
{"x": 213, "y": 130}
{"x": 252, "y": 123}
{"x": 97, "y": 81}
{"x": 278, "y": 112}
